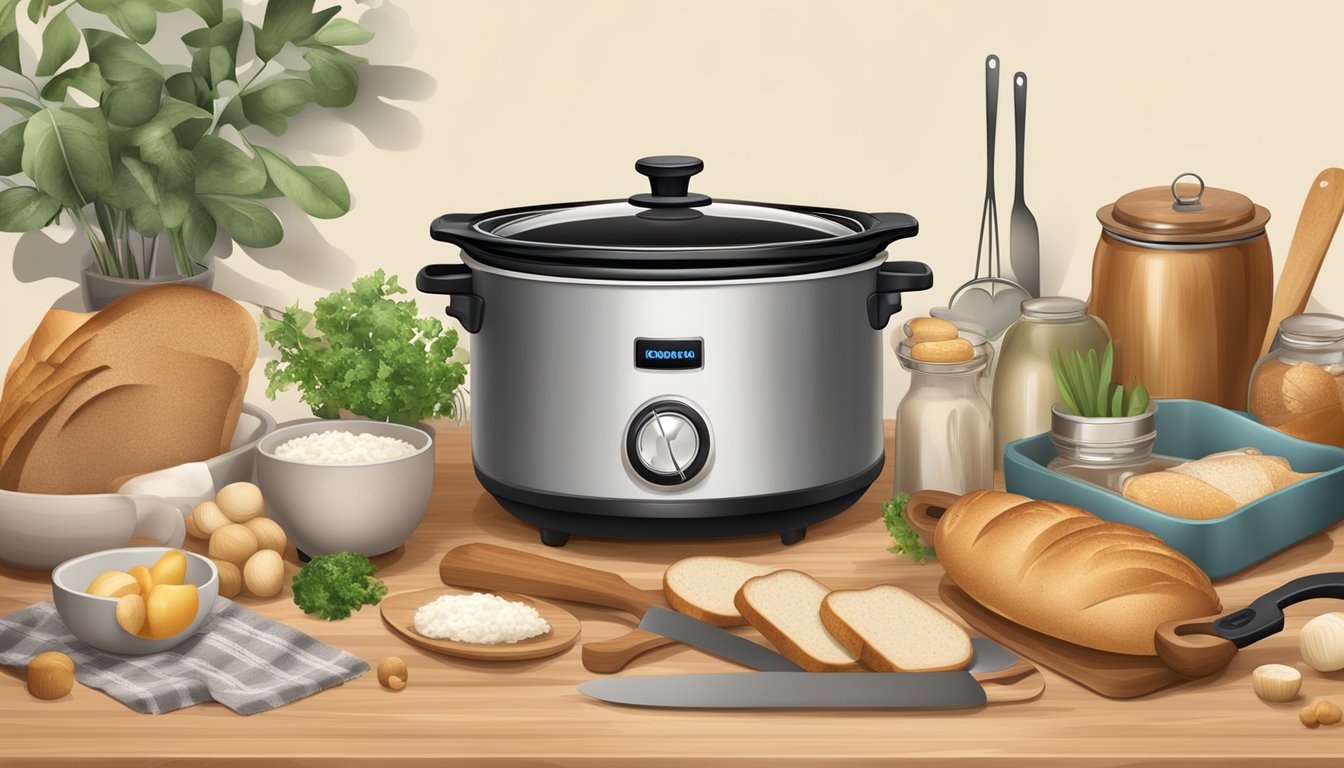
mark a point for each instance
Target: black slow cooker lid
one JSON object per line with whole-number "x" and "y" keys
{"x": 671, "y": 233}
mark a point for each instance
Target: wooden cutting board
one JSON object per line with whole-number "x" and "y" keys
{"x": 1114, "y": 675}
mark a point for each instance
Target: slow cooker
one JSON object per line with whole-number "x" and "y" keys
{"x": 667, "y": 366}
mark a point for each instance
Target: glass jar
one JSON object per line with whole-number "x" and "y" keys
{"x": 944, "y": 432}
{"x": 1024, "y": 382}
{"x": 1298, "y": 388}
{"x": 1105, "y": 451}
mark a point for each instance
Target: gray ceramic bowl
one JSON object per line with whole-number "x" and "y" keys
{"x": 94, "y": 619}
{"x": 367, "y": 508}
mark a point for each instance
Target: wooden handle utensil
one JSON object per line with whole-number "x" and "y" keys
{"x": 1315, "y": 230}
{"x": 492, "y": 567}
{"x": 1203, "y": 646}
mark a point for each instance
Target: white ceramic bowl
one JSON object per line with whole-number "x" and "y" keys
{"x": 367, "y": 508}
{"x": 39, "y": 530}
{"x": 94, "y": 619}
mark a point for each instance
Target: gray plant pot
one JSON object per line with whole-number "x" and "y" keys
{"x": 99, "y": 290}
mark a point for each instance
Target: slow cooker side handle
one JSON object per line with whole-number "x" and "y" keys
{"x": 893, "y": 279}
{"x": 455, "y": 281}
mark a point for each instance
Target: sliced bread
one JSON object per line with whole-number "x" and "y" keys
{"x": 703, "y": 587}
{"x": 785, "y": 607}
{"x": 891, "y": 630}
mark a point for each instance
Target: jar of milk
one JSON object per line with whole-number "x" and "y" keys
{"x": 944, "y": 432}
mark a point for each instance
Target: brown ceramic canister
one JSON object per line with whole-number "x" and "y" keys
{"x": 1183, "y": 278}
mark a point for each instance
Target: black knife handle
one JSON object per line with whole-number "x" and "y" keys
{"x": 1264, "y": 617}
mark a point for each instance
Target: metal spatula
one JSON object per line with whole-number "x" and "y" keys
{"x": 1024, "y": 239}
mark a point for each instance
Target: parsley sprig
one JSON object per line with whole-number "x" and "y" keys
{"x": 907, "y": 541}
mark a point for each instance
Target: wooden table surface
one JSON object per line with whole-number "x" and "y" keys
{"x": 529, "y": 713}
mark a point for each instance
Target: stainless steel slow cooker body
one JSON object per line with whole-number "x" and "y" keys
{"x": 699, "y": 385}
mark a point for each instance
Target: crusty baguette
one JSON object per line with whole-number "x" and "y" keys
{"x": 785, "y": 607}
{"x": 891, "y": 630}
{"x": 1068, "y": 574}
{"x": 704, "y": 586}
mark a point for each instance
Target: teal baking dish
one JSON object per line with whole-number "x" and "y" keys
{"x": 1189, "y": 429}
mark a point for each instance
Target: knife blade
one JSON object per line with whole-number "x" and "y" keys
{"x": 714, "y": 641}
{"x": 809, "y": 690}
{"x": 793, "y": 690}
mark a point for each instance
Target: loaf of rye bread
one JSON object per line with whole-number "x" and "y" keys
{"x": 154, "y": 380}
{"x": 1068, "y": 574}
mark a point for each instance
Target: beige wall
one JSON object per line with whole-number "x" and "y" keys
{"x": 868, "y": 105}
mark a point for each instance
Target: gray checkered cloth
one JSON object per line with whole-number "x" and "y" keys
{"x": 245, "y": 662}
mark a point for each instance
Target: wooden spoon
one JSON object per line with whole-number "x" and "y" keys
{"x": 399, "y": 612}
{"x": 1315, "y": 230}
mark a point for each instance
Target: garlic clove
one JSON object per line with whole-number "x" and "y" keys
{"x": 1321, "y": 642}
{"x": 1276, "y": 682}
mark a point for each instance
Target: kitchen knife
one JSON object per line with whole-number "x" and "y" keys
{"x": 1199, "y": 647}
{"x": 714, "y": 641}
{"x": 994, "y": 675}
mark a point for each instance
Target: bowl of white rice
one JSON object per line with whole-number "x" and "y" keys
{"x": 347, "y": 485}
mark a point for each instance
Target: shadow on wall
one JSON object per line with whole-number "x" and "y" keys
{"x": 304, "y": 255}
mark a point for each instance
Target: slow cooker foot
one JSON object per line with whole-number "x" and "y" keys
{"x": 792, "y": 536}
{"x": 553, "y": 538}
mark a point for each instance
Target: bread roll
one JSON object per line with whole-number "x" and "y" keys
{"x": 1211, "y": 487}
{"x": 1068, "y": 574}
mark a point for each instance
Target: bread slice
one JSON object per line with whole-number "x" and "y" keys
{"x": 891, "y": 630}
{"x": 1179, "y": 495}
{"x": 785, "y": 607}
{"x": 703, "y": 587}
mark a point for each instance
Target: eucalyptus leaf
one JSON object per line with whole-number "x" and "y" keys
{"x": 320, "y": 192}
{"x": 132, "y": 103}
{"x": 9, "y": 36}
{"x": 333, "y": 75}
{"x": 120, "y": 59}
{"x": 198, "y": 231}
{"x": 210, "y": 11}
{"x": 215, "y": 65}
{"x": 222, "y": 168}
{"x": 22, "y": 106}
{"x": 65, "y": 154}
{"x": 60, "y": 40}
{"x": 37, "y": 9}
{"x": 271, "y": 103}
{"x": 85, "y": 78}
{"x": 342, "y": 32}
{"x": 288, "y": 21}
{"x": 187, "y": 121}
{"x": 191, "y": 88}
{"x": 176, "y": 166}
{"x": 249, "y": 223}
{"x": 137, "y": 18}
{"x": 24, "y": 209}
{"x": 1139, "y": 403}
{"x": 225, "y": 33}
{"x": 11, "y": 149}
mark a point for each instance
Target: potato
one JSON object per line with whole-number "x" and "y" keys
{"x": 234, "y": 543}
{"x": 170, "y": 609}
{"x": 230, "y": 578}
{"x": 143, "y": 577}
{"x": 208, "y": 518}
{"x": 240, "y": 502}
{"x": 264, "y": 574}
{"x": 269, "y": 534}
{"x": 131, "y": 613}
{"x": 113, "y": 584}
{"x": 170, "y": 569}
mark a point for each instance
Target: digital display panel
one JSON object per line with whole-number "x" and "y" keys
{"x": 669, "y": 354}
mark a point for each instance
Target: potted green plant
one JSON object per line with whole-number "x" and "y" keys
{"x": 147, "y": 171}
{"x": 1102, "y": 432}
{"x": 363, "y": 352}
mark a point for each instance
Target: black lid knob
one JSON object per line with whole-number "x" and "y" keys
{"x": 669, "y": 182}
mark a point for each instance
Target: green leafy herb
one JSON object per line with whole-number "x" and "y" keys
{"x": 149, "y": 165}
{"x": 1085, "y": 385}
{"x": 372, "y": 355}
{"x": 334, "y": 586}
{"x": 907, "y": 541}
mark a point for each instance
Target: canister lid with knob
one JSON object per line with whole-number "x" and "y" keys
{"x": 1185, "y": 212}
